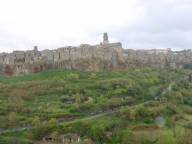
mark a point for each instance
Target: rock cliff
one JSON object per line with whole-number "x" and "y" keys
{"x": 104, "y": 56}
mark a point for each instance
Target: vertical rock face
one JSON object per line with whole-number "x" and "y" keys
{"x": 106, "y": 55}
{"x": 159, "y": 58}
{"x": 85, "y": 57}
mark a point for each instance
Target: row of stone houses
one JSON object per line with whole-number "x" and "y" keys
{"x": 91, "y": 57}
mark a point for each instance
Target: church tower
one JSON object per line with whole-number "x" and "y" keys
{"x": 105, "y": 38}
{"x": 35, "y": 48}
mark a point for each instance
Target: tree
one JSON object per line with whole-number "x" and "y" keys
{"x": 55, "y": 136}
{"x": 39, "y": 129}
{"x": 78, "y": 99}
{"x": 93, "y": 76}
{"x": 166, "y": 138}
{"x": 172, "y": 124}
{"x": 190, "y": 78}
{"x": 126, "y": 137}
{"x": 36, "y": 122}
{"x": 52, "y": 122}
{"x": 98, "y": 134}
{"x": 12, "y": 119}
{"x": 114, "y": 102}
{"x": 15, "y": 103}
{"x": 179, "y": 96}
{"x": 73, "y": 76}
{"x": 129, "y": 114}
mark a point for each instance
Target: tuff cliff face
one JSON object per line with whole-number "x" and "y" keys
{"x": 106, "y": 55}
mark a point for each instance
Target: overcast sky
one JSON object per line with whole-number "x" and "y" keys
{"x": 54, "y": 23}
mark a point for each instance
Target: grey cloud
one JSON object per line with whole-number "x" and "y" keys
{"x": 164, "y": 25}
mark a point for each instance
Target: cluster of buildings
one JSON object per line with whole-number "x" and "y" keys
{"x": 105, "y": 55}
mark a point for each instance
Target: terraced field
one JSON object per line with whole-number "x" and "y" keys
{"x": 134, "y": 106}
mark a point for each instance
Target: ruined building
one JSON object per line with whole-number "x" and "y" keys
{"x": 104, "y": 56}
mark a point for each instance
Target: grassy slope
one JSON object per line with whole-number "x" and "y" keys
{"x": 42, "y": 95}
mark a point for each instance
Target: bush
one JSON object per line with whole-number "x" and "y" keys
{"x": 98, "y": 134}
{"x": 72, "y": 76}
{"x": 14, "y": 140}
{"x": 129, "y": 114}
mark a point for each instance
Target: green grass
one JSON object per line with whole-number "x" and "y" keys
{"x": 77, "y": 94}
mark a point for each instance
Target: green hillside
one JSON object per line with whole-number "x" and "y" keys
{"x": 137, "y": 106}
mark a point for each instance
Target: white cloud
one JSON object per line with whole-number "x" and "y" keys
{"x": 55, "y": 23}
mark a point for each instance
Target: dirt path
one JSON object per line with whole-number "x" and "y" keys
{"x": 12, "y": 130}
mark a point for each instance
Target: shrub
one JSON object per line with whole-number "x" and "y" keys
{"x": 72, "y": 76}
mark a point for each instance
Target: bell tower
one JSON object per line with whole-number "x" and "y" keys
{"x": 35, "y": 48}
{"x": 105, "y": 38}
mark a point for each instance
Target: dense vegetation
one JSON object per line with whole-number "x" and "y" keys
{"x": 140, "y": 106}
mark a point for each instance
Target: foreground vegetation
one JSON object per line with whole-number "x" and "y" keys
{"x": 139, "y": 106}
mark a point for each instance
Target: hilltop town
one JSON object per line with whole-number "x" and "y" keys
{"x": 104, "y": 56}
{"x": 103, "y": 94}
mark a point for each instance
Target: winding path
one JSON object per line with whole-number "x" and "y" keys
{"x": 20, "y": 129}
